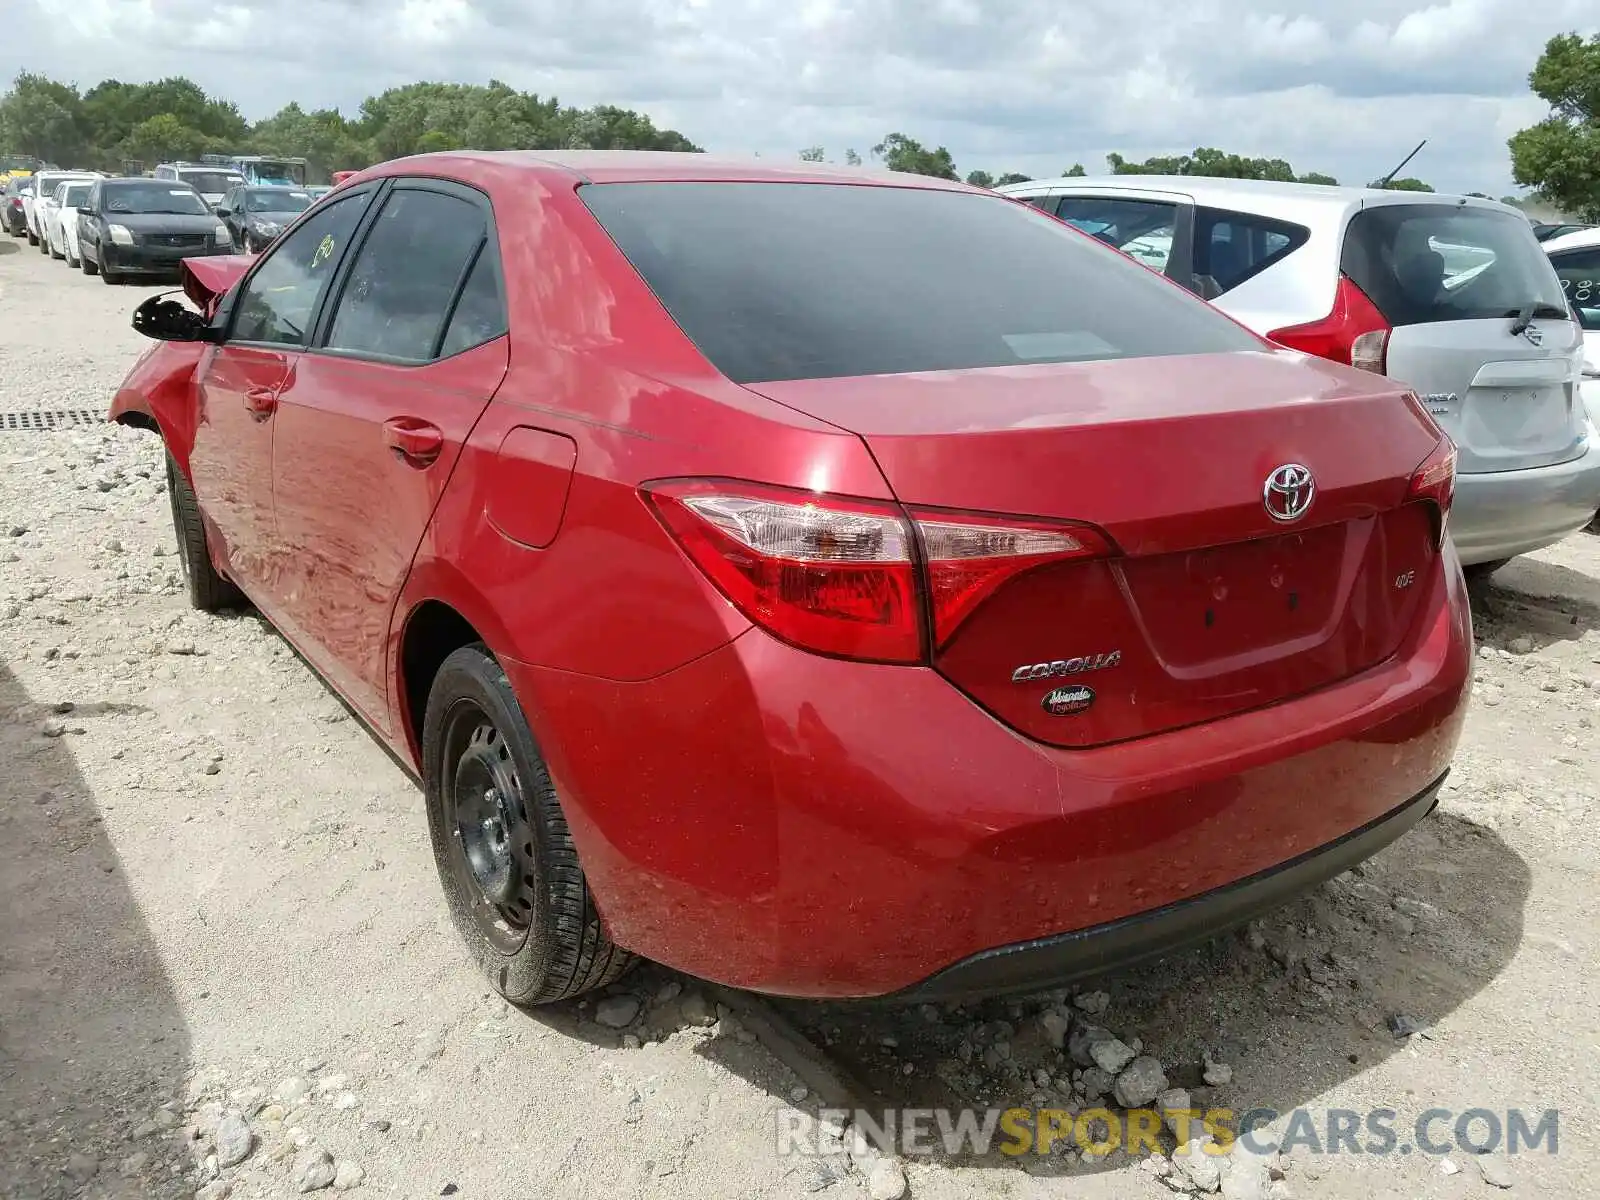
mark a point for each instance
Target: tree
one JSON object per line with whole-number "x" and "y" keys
{"x": 1560, "y": 156}
{"x": 852, "y": 159}
{"x": 1215, "y": 164}
{"x": 1012, "y": 177}
{"x": 1318, "y": 177}
{"x": 980, "y": 179}
{"x": 45, "y": 119}
{"x": 1075, "y": 171}
{"x": 812, "y": 154}
{"x": 900, "y": 153}
{"x": 1405, "y": 184}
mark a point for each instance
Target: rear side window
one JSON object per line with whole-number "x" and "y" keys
{"x": 398, "y": 293}
{"x": 1231, "y": 247}
{"x": 1142, "y": 229}
{"x": 480, "y": 314}
{"x": 1423, "y": 263}
{"x": 1579, "y": 272}
{"x": 812, "y": 281}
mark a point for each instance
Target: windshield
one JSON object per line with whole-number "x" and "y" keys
{"x": 74, "y": 195}
{"x": 211, "y": 182}
{"x": 154, "y": 197}
{"x": 814, "y": 281}
{"x": 284, "y": 201}
{"x": 1422, "y": 263}
{"x": 275, "y": 171}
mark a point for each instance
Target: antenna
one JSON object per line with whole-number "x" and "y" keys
{"x": 1385, "y": 181}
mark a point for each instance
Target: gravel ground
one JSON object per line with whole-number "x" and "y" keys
{"x": 225, "y": 968}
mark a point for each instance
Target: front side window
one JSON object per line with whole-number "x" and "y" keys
{"x": 397, "y": 296}
{"x": 1425, "y": 263}
{"x": 1579, "y": 272}
{"x": 778, "y": 281}
{"x": 1141, "y": 229}
{"x": 279, "y": 299}
{"x": 74, "y": 194}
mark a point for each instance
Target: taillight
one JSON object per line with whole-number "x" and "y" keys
{"x": 1435, "y": 482}
{"x": 1355, "y": 332}
{"x": 852, "y": 578}
{"x": 967, "y": 558}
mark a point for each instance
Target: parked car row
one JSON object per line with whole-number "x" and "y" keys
{"x": 138, "y": 226}
{"x": 1452, "y": 296}
{"x": 615, "y": 491}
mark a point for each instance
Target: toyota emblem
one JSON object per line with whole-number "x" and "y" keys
{"x": 1289, "y": 492}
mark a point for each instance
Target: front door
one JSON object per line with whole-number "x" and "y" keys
{"x": 403, "y": 366}
{"x": 242, "y": 382}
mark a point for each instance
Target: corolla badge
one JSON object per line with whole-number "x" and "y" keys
{"x": 1066, "y": 666}
{"x": 1066, "y": 701}
{"x": 1288, "y": 492}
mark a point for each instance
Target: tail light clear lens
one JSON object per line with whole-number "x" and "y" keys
{"x": 1355, "y": 332}
{"x": 848, "y": 577}
{"x": 1435, "y": 482}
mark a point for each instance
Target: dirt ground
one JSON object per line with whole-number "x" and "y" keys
{"x": 221, "y": 937}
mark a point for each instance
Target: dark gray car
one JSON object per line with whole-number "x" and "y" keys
{"x": 255, "y": 216}
{"x": 145, "y": 227}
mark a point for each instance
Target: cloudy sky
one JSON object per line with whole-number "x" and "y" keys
{"x": 1341, "y": 86}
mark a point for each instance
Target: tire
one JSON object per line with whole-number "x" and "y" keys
{"x": 44, "y": 245}
{"x": 32, "y": 240}
{"x": 110, "y": 277}
{"x": 1479, "y": 571}
{"x": 208, "y": 590}
{"x": 490, "y": 800}
{"x": 88, "y": 265}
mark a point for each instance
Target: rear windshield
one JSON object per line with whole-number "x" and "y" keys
{"x": 1421, "y": 263}
{"x": 815, "y": 281}
{"x": 277, "y": 201}
{"x": 211, "y": 181}
{"x": 157, "y": 196}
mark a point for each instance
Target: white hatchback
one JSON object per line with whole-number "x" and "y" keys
{"x": 1451, "y": 295}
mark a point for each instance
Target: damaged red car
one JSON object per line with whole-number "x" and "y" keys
{"x": 827, "y": 583}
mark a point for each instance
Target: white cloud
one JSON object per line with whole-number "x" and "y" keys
{"x": 1342, "y": 86}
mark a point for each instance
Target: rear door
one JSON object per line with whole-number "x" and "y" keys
{"x": 1455, "y": 281}
{"x": 406, "y": 358}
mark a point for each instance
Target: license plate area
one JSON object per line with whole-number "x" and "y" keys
{"x": 1500, "y": 421}
{"x": 1228, "y": 601}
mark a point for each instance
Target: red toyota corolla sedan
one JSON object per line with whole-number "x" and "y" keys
{"x": 828, "y": 583}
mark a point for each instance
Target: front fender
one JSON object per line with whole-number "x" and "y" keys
{"x": 159, "y": 390}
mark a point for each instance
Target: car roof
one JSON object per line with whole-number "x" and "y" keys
{"x": 652, "y": 166}
{"x": 1261, "y": 195}
{"x": 1578, "y": 239}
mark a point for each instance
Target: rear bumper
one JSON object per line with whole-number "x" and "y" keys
{"x": 1052, "y": 961}
{"x": 798, "y": 825}
{"x": 1506, "y": 513}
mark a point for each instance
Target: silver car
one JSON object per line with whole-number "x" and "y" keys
{"x": 1450, "y": 295}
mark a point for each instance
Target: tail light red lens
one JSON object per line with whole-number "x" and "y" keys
{"x": 1434, "y": 482}
{"x": 1355, "y": 332}
{"x": 852, "y": 578}
{"x": 968, "y": 558}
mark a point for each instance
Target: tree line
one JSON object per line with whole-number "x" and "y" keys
{"x": 115, "y": 122}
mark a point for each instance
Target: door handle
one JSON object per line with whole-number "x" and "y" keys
{"x": 416, "y": 442}
{"x": 261, "y": 402}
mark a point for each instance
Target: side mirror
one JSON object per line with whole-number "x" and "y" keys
{"x": 169, "y": 321}
{"x": 84, "y": 211}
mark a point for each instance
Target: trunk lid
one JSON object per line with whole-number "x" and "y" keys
{"x": 1452, "y": 280}
{"x": 1209, "y": 606}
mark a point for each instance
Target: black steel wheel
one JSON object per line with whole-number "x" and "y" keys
{"x": 505, "y": 857}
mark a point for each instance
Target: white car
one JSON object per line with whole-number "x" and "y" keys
{"x": 211, "y": 182}
{"x": 60, "y": 219}
{"x": 1576, "y": 258}
{"x": 1450, "y": 295}
{"x": 44, "y": 185}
